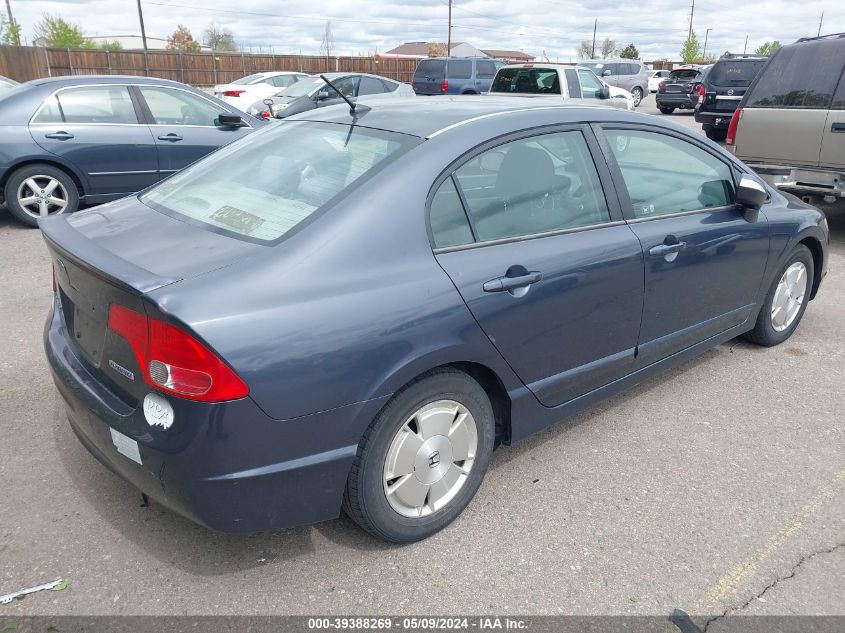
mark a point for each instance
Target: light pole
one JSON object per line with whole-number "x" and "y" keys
{"x": 706, "y": 33}
{"x": 143, "y": 32}
{"x": 449, "y": 34}
{"x": 17, "y": 32}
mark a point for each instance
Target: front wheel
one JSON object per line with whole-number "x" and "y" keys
{"x": 666, "y": 110}
{"x": 637, "y": 93}
{"x": 422, "y": 459}
{"x": 39, "y": 190}
{"x": 786, "y": 300}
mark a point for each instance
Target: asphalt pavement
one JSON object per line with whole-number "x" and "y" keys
{"x": 716, "y": 487}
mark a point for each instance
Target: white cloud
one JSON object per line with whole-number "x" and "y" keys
{"x": 657, "y": 27}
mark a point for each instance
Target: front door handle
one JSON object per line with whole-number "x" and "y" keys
{"x": 170, "y": 137}
{"x": 662, "y": 250}
{"x": 837, "y": 127}
{"x": 502, "y": 284}
{"x": 60, "y": 136}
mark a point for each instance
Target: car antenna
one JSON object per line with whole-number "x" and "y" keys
{"x": 352, "y": 108}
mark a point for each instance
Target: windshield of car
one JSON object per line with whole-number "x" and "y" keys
{"x": 264, "y": 185}
{"x": 735, "y": 73}
{"x": 684, "y": 73}
{"x": 303, "y": 87}
{"x": 249, "y": 79}
{"x": 527, "y": 81}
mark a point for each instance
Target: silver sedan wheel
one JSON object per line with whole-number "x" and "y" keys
{"x": 430, "y": 458}
{"x": 789, "y": 296}
{"x": 42, "y": 195}
{"x": 638, "y": 96}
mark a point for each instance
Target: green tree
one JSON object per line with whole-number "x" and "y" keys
{"x": 768, "y": 48}
{"x": 57, "y": 32}
{"x": 629, "y": 52}
{"x": 219, "y": 38}
{"x": 10, "y": 31}
{"x": 182, "y": 40}
{"x": 691, "y": 50}
{"x": 113, "y": 45}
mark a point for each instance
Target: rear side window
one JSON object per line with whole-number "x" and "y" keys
{"x": 449, "y": 224}
{"x": 839, "y": 97}
{"x": 257, "y": 78}
{"x": 434, "y": 68}
{"x": 527, "y": 81}
{"x": 460, "y": 69}
{"x": 262, "y": 189}
{"x": 90, "y": 104}
{"x": 389, "y": 86}
{"x": 370, "y": 86}
{"x": 799, "y": 76}
{"x": 735, "y": 73}
{"x": 485, "y": 70}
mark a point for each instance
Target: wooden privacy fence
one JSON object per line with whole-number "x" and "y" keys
{"x": 24, "y": 63}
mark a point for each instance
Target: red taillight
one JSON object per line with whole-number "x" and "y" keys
{"x": 444, "y": 86}
{"x": 174, "y": 361}
{"x": 731, "y": 138}
{"x": 233, "y": 93}
{"x": 661, "y": 85}
{"x": 701, "y": 94}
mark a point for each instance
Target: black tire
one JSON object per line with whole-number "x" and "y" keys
{"x": 666, "y": 110}
{"x": 715, "y": 134}
{"x": 764, "y": 332}
{"x": 637, "y": 93}
{"x": 365, "y": 500}
{"x": 39, "y": 171}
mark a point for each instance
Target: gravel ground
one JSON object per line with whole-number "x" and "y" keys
{"x": 717, "y": 486}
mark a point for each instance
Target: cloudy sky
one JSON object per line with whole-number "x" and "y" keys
{"x": 551, "y": 27}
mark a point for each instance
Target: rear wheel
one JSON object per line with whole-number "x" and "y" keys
{"x": 667, "y": 110}
{"x": 422, "y": 459}
{"x": 715, "y": 134}
{"x": 39, "y": 190}
{"x": 637, "y": 93}
{"x": 786, "y": 300}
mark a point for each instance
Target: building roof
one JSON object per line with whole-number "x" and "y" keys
{"x": 418, "y": 48}
{"x": 506, "y": 54}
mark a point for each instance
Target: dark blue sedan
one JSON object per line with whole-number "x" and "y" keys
{"x": 351, "y": 311}
{"x": 68, "y": 141}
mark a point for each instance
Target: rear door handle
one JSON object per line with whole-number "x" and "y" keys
{"x": 662, "y": 250}
{"x": 60, "y": 136}
{"x": 170, "y": 137}
{"x": 502, "y": 284}
{"x": 837, "y": 127}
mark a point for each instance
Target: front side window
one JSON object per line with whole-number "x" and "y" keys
{"x": 590, "y": 85}
{"x": 533, "y": 185}
{"x": 177, "y": 107}
{"x": 89, "y": 104}
{"x": 261, "y": 188}
{"x": 799, "y": 76}
{"x": 665, "y": 175}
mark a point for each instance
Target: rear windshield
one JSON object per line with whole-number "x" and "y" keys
{"x": 684, "y": 73}
{"x": 261, "y": 187}
{"x": 527, "y": 81}
{"x": 434, "y": 68}
{"x": 249, "y": 79}
{"x": 735, "y": 73}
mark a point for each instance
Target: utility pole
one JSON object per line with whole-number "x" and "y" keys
{"x": 819, "y": 34}
{"x": 746, "y": 45}
{"x": 143, "y": 31}
{"x": 691, "y": 13}
{"x": 449, "y": 34}
{"x": 593, "y": 50}
{"x": 12, "y": 22}
{"x": 706, "y": 33}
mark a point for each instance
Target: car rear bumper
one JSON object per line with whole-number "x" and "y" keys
{"x": 811, "y": 181}
{"x": 717, "y": 120}
{"x": 676, "y": 100}
{"x": 227, "y": 466}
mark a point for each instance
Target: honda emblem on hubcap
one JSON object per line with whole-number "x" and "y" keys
{"x": 434, "y": 459}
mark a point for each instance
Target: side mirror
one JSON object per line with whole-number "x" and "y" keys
{"x": 605, "y": 73}
{"x": 323, "y": 95}
{"x": 268, "y": 103}
{"x": 231, "y": 120}
{"x": 604, "y": 92}
{"x": 750, "y": 196}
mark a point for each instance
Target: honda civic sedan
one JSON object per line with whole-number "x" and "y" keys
{"x": 350, "y": 310}
{"x": 71, "y": 141}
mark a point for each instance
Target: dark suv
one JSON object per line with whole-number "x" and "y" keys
{"x": 680, "y": 89}
{"x": 722, "y": 90}
{"x": 455, "y": 75}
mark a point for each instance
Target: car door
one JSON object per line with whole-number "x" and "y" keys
{"x": 542, "y": 259}
{"x": 590, "y": 84}
{"x": 833, "y": 142}
{"x": 704, "y": 261}
{"x": 185, "y": 126}
{"x": 96, "y": 128}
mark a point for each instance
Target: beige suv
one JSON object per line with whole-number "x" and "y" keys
{"x": 790, "y": 125}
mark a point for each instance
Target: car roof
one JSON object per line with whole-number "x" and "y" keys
{"x": 427, "y": 116}
{"x": 70, "y": 80}
{"x": 544, "y": 65}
